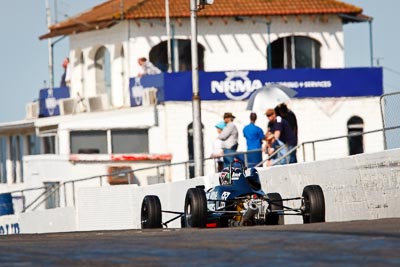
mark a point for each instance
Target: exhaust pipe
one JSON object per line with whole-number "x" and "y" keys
{"x": 249, "y": 213}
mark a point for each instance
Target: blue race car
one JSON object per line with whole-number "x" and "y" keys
{"x": 237, "y": 201}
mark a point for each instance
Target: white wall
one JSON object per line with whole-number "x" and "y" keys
{"x": 229, "y": 45}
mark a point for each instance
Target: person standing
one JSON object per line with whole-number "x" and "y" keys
{"x": 254, "y": 136}
{"x": 218, "y": 149}
{"x": 65, "y": 76}
{"x": 282, "y": 132}
{"x": 288, "y": 115}
{"x": 229, "y": 136}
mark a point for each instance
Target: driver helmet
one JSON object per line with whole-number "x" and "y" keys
{"x": 225, "y": 177}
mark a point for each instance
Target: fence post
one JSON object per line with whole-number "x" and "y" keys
{"x": 73, "y": 192}
{"x": 186, "y": 169}
{"x": 65, "y": 194}
{"x": 23, "y": 200}
{"x": 313, "y": 148}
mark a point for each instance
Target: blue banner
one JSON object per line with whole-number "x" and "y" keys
{"x": 48, "y": 100}
{"x": 238, "y": 85}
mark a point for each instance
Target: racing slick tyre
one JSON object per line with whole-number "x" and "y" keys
{"x": 195, "y": 208}
{"x": 150, "y": 215}
{"x": 275, "y": 203}
{"x": 313, "y": 204}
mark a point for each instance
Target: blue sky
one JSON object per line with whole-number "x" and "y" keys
{"x": 25, "y": 57}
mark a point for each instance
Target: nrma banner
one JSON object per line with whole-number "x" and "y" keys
{"x": 238, "y": 85}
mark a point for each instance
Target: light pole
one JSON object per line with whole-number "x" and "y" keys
{"x": 196, "y": 105}
{"x": 168, "y": 26}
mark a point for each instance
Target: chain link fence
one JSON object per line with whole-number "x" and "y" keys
{"x": 390, "y": 104}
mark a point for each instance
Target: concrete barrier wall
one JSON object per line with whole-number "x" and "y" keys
{"x": 359, "y": 187}
{"x": 44, "y": 221}
{"x": 118, "y": 207}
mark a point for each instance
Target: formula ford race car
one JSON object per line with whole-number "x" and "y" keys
{"x": 237, "y": 201}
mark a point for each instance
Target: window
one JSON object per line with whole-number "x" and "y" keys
{"x": 122, "y": 141}
{"x": 33, "y": 145}
{"x": 181, "y": 55}
{"x": 88, "y": 142}
{"x": 294, "y": 52}
{"x": 49, "y": 144}
{"x": 103, "y": 71}
{"x": 16, "y": 154}
{"x": 130, "y": 141}
{"x": 355, "y": 127}
{"x": 3, "y": 160}
{"x": 52, "y": 195}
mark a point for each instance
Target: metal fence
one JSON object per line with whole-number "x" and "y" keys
{"x": 371, "y": 141}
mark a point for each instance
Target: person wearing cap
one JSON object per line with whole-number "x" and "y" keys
{"x": 218, "y": 149}
{"x": 254, "y": 136}
{"x": 229, "y": 136}
{"x": 282, "y": 132}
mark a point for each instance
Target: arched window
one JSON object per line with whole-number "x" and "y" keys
{"x": 122, "y": 66}
{"x": 122, "y": 53}
{"x": 355, "y": 127}
{"x": 294, "y": 52}
{"x": 81, "y": 72}
{"x": 181, "y": 62}
{"x": 103, "y": 71}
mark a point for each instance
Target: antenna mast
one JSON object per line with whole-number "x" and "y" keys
{"x": 49, "y": 46}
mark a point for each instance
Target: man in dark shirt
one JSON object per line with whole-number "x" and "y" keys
{"x": 283, "y": 111}
{"x": 282, "y": 131}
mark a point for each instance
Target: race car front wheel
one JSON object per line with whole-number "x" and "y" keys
{"x": 150, "y": 215}
{"x": 195, "y": 208}
{"x": 313, "y": 204}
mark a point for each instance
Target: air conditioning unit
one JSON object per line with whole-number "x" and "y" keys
{"x": 150, "y": 96}
{"x": 67, "y": 106}
{"x": 32, "y": 110}
{"x": 98, "y": 103}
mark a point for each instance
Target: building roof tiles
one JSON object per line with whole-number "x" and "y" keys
{"x": 110, "y": 12}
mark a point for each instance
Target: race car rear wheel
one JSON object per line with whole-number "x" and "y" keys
{"x": 195, "y": 208}
{"x": 313, "y": 204}
{"x": 150, "y": 215}
{"x": 275, "y": 203}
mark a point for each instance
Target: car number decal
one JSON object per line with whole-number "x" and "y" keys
{"x": 225, "y": 195}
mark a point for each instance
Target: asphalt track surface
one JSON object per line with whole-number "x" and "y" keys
{"x": 356, "y": 243}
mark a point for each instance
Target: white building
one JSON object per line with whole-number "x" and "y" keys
{"x": 267, "y": 39}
